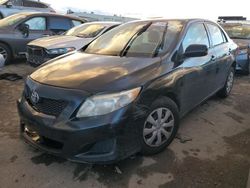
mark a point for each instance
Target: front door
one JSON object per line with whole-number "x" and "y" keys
{"x": 37, "y": 29}
{"x": 198, "y": 72}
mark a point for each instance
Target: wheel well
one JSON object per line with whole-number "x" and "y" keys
{"x": 173, "y": 97}
{"x": 11, "y": 52}
{"x": 234, "y": 65}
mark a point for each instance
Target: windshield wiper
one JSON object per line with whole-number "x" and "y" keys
{"x": 82, "y": 35}
{"x": 131, "y": 40}
{"x": 160, "y": 45}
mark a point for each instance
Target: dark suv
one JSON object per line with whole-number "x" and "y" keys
{"x": 18, "y": 30}
{"x": 238, "y": 29}
{"x": 127, "y": 90}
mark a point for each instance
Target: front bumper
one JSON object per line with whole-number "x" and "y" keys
{"x": 104, "y": 139}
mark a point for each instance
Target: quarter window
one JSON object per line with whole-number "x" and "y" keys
{"x": 76, "y": 23}
{"x": 216, "y": 35}
{"x": 37, "y": 23}
{"x": 196, "y": 34}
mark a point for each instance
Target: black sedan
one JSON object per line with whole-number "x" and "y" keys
{"x": 127, "y": 90}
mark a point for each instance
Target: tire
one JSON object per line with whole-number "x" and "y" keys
{"x": 152, "y": 130}
{"x": 6, "y": 52}
{"x": 226, "y": 90}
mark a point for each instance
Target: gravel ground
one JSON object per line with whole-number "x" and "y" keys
{"x": 212, "y": 149}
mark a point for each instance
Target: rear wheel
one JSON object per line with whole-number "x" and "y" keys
{"x": 160, "y": 126}
{"x": 225, "y": 91}
{"x": 5, "y": 52}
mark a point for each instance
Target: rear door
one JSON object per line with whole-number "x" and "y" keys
{"x": 199, "y": 72}
{"x": 38, "y": 29}
{"x": 223, "y": 53}
{"x": 58, "y": 25}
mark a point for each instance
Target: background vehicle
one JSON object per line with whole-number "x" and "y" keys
{"x": 9, "y": 7}
{"x": 238, "y": 29}
{"x": 17, "y": 30}
{"x": 127, "y": 90}
{"x": 44, "y": 49}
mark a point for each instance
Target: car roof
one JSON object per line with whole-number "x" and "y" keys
{"x": 51, "y": 14}
{"x": 104, "y": 23}
{"x": 182, "y": 20}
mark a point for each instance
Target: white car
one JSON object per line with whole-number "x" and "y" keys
{"x": 44, "y": 49}
{"x": 9, "y": 7}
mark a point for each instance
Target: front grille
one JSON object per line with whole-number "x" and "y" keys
{"x": 36, "y": 55}
{"x": 45, "y": 105}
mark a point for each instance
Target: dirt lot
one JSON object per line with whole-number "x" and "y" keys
{"x": 212, "y": 149}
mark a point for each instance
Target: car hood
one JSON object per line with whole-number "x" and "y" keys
{"x": 97, "y": 73}
{"x": 242, "y": 43}
{"x": 61, "y": 41}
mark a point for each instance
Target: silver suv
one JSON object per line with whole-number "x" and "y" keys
{"x": 9, "y": 7}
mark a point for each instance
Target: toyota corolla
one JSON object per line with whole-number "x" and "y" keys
{"x": 126, "y": 91}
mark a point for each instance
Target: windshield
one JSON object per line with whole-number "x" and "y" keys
{"x": 86, "y": 30}
{"x": 239, "y": 31}
{"x": 11, "y": 20}
{"x": 144, "y": 39}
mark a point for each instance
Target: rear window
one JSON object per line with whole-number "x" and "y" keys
{"x": 57, "y": 24}
{"x": 237, "y": 31}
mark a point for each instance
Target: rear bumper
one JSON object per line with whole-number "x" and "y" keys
{"x": 105, "y": 139}
{"x": 242, "y": 63}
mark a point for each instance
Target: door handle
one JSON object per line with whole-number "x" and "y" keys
{"x": 213, "y": 58}
{"x": 229, "y": 51}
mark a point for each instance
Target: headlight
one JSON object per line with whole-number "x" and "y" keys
{"x": 104, "y": 104}
{"x": 60, "y": 50}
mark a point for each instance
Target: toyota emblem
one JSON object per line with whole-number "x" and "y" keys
{"x": 34, "y": 97}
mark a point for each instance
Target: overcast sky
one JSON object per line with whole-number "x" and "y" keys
{"x": 159, "y": 8}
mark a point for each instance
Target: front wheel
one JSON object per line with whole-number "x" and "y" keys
{"x": 160, "y": 126}
{"x": 226, "y": 90}
{"x": 5, "y": 52}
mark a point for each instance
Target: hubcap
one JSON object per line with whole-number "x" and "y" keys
{"x": 3, "y": 52}
{"x": 158, "y": 127}
{"x": 230, "y": 80}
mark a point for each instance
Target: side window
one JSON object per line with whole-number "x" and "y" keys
{"x": 16, "y": 2}
{"x": 196, "y": 34}
{"x": 59, "y": 24}
{"x": 76, "y": 23}
{"x": 216, "y": 34}
{"x": 37, "y": 23}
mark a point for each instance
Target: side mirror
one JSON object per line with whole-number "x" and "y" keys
{"x": 9, "y": 5}
{"x": 196, "y": 50}
{"x": 25, "y": 29}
